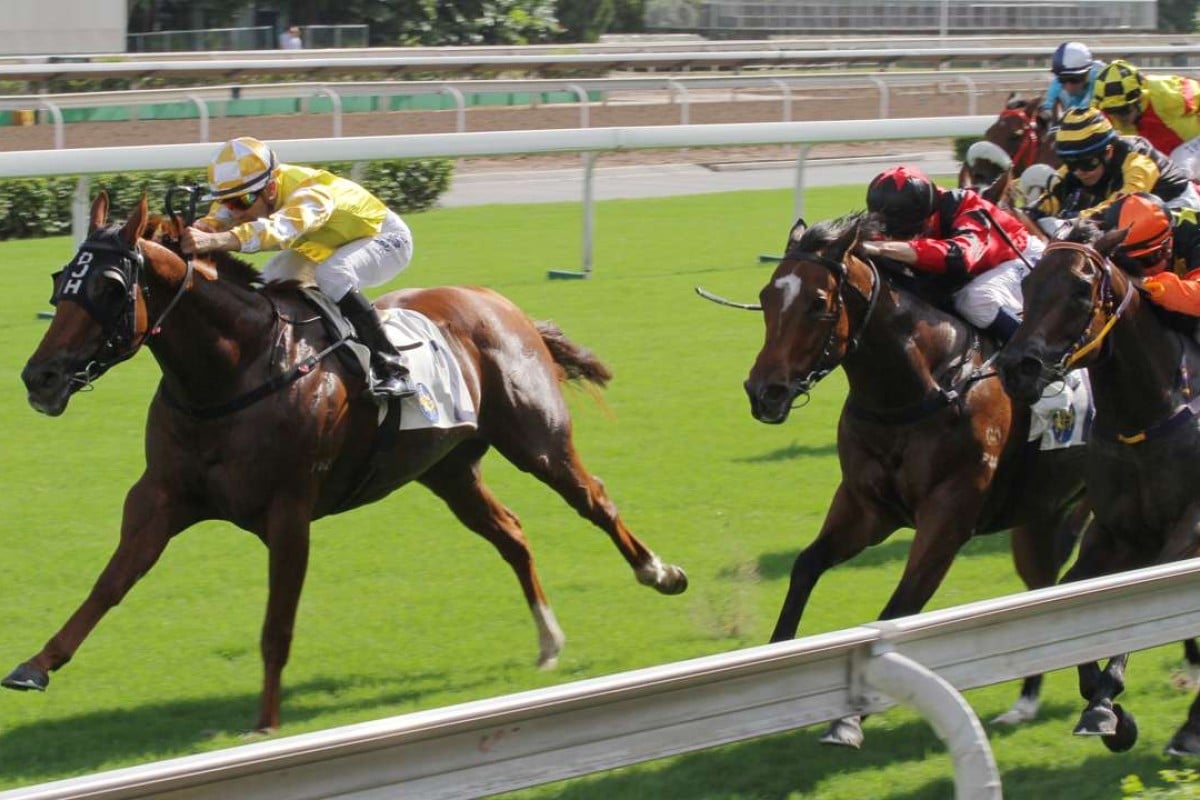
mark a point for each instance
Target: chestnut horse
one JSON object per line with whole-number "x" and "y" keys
{"x": 925, "y": 440}
{"x": 270, "y": 455}
{"x": 1143, "y": 462}
{"x": 1023, "y": 135}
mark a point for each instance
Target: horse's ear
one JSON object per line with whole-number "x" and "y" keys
{"x": 135, "y": 226}
{"x": 99, "y": 215}
{"x": 964, "y": 176}
{"x": 998, "y": 190}
{"x": 795, "y": 234}
{"x": 1107, "y": 243}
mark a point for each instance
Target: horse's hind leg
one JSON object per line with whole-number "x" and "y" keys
{"x": 456, "y": 479}
{"x": 549, "y": 454}
{"x": 150, "y": 520}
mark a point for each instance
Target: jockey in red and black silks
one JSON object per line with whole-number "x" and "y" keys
{"x": 957, "y": 234}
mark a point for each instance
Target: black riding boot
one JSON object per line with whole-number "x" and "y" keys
{"x": 390, "y": 378}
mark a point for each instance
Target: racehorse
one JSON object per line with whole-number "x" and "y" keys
{"x": 252, "y": 424}
{"x": 1021, "y": 133}
{"x": 925, "y": 439}
{"x": 1143, "y": 462}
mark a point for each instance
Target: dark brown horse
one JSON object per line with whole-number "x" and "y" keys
{"x": 1143, "y": 462}
{"x": 1021, "y": 133}
{"x": 226, "y": 441}
{"x": 925, "y": 439}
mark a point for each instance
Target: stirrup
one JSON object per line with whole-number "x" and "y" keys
{"x": 393, "y": 385}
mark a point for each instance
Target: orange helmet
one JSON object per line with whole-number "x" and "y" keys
{"x": 1149, "y": 226}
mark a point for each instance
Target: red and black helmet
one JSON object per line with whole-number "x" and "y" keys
{"x": 903, "y": 199}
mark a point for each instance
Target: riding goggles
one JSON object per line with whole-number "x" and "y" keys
{"x": 1084, "y": 163}
{"x": 240, "y": 202}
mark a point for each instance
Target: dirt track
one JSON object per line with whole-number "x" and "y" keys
{"x": 713, "y": 108}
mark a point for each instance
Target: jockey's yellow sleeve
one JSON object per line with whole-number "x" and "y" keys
{"x": 1170, "y": 112}
{"x": 315, "y": 213}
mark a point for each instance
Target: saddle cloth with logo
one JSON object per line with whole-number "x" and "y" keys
{"x": 1063, "y": 415}
{"x": 442, "y": 399}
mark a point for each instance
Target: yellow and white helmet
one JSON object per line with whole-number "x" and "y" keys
{"x": 241, "y": 165}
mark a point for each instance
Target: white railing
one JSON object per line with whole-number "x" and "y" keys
{"x": 32, "y": 163}
{"x": 506, "y": 743}
{"x": 677, "y": 90}
{"x": 1181, "y": 55}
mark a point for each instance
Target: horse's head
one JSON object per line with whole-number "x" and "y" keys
{"x": 1071, "y": 304}
{"x": 804, "y": 308}
{"x": 1019, "y": 132}
{"x": 99, "y": 317}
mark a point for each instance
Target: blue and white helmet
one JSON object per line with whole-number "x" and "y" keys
{"x": 1072, "y": 59}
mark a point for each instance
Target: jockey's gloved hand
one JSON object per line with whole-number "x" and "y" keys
{"x": 1174, "y": 293}
{"x": 1045, "y": 116}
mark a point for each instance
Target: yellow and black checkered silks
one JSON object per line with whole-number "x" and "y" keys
{"x": 241, "y": 165}
{"x": 1119, "y": 84}
{"x": 1083, "y": 131}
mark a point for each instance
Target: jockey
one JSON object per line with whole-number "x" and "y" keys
{"x": 313, "y": 218}
{"x": 1162, "y": 245}
{"x": 1075, "y": 74}
{"x": 1099, "y": 166}
{"x": 1163, "y": 108}
{"x": 956, "y": 233}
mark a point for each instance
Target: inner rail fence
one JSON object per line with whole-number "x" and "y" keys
{"x": 505, "y": 743}
{"x": 589, "y": 141}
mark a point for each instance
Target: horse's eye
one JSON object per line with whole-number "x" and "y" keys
{"x": 818, "y": 306}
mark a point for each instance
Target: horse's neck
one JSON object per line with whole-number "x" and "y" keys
{"x": 210, "y": 335}
{"x": 1144, "y": 375}
{"x": 905, "y": 350}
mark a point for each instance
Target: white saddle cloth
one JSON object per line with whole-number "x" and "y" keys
{"x": 1060, "y": 418}
{"x": 442, "y": 399}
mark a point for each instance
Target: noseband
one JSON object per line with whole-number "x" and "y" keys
{"x": 1104, "y": 307}
{"x": 828, "y": 361}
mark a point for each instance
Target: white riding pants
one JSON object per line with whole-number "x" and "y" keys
{"x": 998, "y": 289}
{"x": 355, "y": 265}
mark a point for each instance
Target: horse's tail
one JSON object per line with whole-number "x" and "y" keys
{"x": 577, "y": 363}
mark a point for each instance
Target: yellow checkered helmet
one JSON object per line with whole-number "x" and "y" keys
{"x": 1083, "y": 131}
{"x": 1119, "y": 84}
{"x": 241, "y": 165}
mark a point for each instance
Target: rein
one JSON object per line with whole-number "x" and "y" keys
{"x": 1102, "y": 300}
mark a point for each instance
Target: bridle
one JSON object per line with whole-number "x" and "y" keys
{"x": 829, "y": 359}
{"x": 1105, "y": 310}
{"x": 122, "y": 339}
{"x": 1027, "y": 150}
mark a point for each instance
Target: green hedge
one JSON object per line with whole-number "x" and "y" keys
{"x": 34, "y": 207}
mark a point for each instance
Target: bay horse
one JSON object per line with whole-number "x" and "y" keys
{"x": 924, "y": 440}
{"x": 226, "y": 440}
{"x": 1143, "y": 462}
{"x": 1021, "y": 133}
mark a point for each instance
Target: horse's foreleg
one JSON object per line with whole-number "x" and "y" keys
{"x": 457, "y": 482}
{"x": 849, "y": 528}
{"x": 151, "y": 518}
{"x": 287, "y": 540}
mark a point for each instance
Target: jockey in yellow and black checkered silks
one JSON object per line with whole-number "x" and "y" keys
{"x": 1165, "y": 109}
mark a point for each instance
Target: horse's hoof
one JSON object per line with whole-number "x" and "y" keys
{"x": 1097, "y": 721}
{"x": 1024, "y": 710}
{"x": 678, "y": 582}
{"x": 1184, "y": 743}
{"x": 664, "y": 578}
{"x": 846, "y": 732}
{"x": 25, "y": 678}
{"x": 1126, "y": 734}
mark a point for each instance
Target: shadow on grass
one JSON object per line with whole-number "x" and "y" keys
{"x": 791, "y": 452}
{"x": 39, "y": 751}
{"x": 779, "y": 564}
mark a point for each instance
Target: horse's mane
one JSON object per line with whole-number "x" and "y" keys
{"x": 162, "y": 231}
{"x": 1083, "y": 231}
{"x": 821, "y": 234}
